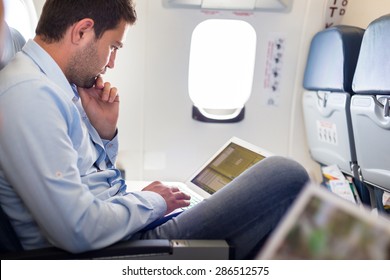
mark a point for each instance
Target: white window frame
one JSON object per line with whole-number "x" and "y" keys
{"x": 221, "y": 67}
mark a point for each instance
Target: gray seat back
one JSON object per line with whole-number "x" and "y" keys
{"x": 326, "y": 102}
{"x": 13, "y": 42}
{"x": 370, "y": 104}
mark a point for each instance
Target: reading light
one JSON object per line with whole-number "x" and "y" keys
{"x": 221, "y": 67}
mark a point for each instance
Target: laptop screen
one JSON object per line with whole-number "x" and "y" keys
{"x": 327, "y": 227}
{"x": 227, "y": 165}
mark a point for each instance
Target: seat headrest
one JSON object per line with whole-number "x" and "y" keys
{"x": 13, "y": 42}
{"x": 372, "y": 73}
{"x": 332, "y": 59}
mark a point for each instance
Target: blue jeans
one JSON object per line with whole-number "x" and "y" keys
{"x": 244, "y": 212}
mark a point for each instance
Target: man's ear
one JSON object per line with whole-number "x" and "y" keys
{"x": 82, "y": 29}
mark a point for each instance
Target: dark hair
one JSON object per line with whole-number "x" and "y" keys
{"x": 58, "y": 15}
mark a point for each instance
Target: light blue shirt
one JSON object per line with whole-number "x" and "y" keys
{"x": 58, "y": 183}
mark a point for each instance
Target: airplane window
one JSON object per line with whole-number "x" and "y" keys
{"x": 221, "y": 67}
{"x": 21, "y": 15}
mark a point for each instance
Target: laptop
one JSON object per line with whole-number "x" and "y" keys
{"x": 323, "y": 226}
{"x": 232, "y": 159}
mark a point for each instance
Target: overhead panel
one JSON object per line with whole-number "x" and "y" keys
{"x": 233, "y": 5}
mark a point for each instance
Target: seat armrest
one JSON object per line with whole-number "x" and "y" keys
{"x": 152, "y": 249}
{"x": 120, "y": 250}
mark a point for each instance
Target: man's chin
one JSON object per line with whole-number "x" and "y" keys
{"x": 90, "y": 83}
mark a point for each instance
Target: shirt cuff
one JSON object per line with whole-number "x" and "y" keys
{"x": 154, "y": 199}
{"x": 112, "y": 147}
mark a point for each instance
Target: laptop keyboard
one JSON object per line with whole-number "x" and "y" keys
{"x": 195, "y": 199}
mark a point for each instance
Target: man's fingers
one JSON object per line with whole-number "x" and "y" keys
{"x": 172, "y": 195}
{"x": 175, "y": 189}
{"x": 109, "y": 94}
{"x": 183, "y": 203}
{"x": 182, "y": 196}
{"x": 179, "y": 194}
{"x": 99, "y": 83}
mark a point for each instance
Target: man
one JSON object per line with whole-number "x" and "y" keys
{"x": 58, "y": 145}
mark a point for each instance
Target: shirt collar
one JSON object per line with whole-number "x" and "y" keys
{"x": 48, "y": 66}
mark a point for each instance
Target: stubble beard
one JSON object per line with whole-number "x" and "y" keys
{"x": 81, "y": 65}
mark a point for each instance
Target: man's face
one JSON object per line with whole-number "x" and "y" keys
{"x": 95, "y": 57}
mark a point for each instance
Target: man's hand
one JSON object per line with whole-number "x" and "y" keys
{"x": 172, "y": 195}
{"x": 101, "y": 104}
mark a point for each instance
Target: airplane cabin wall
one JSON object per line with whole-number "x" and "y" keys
{"x": 159, "y": 139}
{"x": 174, "y": 144}
{"x": 361, "y": 13}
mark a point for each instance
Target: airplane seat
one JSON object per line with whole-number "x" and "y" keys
{"x": 327, "y": 81}
{"x": 152, "y": 249}
{"x": 13, "y": 42}
{"x": 11, "y": 248}
{"x": 370, "y": 106}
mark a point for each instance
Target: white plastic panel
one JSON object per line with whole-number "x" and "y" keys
{"x": 233, "y": 5}
{"x": 372, "y": 138}
{"x": 328, "y": 128}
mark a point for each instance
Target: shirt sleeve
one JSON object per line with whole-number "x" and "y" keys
{"x": 40, "y": 160}
{"x": 111, "y": 148}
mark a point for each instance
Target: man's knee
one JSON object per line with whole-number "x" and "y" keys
{"x": 282, "y": 172}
